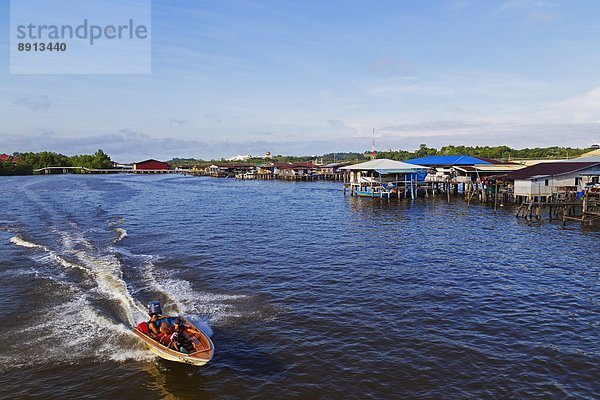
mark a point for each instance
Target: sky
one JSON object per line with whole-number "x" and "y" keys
{"x": 312, "y": 77}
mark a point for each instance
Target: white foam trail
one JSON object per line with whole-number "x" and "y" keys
{"x": 74, "y": 331}
{"x": 106, "y": 273}
{"x": 19, "y": 241}
{"x": 195, "y": 304}
{"x": 7, "y": 228}
{"x": 182, "y": 298}
{"x": 116, "y": 221}
{"x": 109, "y": 277}
{"x": 122, "y": 233}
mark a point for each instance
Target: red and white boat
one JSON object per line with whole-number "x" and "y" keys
{"x": 201, "y": 348}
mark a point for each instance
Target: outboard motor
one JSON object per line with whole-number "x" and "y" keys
{"x": 154, "y": 307}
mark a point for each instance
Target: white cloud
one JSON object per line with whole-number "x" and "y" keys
{"x": 583, "y": 108}
{"x": 34, "y": 103}
{"x": 525, "y": 4}
{"x": 177, "y": 122}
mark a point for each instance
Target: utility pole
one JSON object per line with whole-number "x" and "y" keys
{"x": 373, "y": 154}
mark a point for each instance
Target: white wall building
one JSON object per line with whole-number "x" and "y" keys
{"x": 542, "y": 181}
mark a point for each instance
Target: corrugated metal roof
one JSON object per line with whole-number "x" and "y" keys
{"x": 447, "y": 160}
{"x": 550, "y": 169}
{"x": 490, "y": 168}
{"x": 595, "y": 152}
{"x": 496, "y": 162}
{"x": 396, "y": 171}
{"x": 588, "y": 159}
{"x": 384, "y": 164}
{"x": 335, "y": 165}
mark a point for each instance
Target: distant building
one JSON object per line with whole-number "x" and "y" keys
{"x": 268, "y": 155}
{"x": 229, "y": 170}
{"x": 117, "y": 165}
{"x": 239, "y": 157}
{"x": 384, "y": 178}
{"x": 541, "y": 181}
{"x": 590, "y": 156}
{"x": 463, "y": 168}
{"x": 298, "y": 168}
{"x": 150, "y": 165}
{"x": 8, "y": 158}
{"x": 333, "y": 168}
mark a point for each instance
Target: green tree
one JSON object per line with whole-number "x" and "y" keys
{"x": 42, "y": 160}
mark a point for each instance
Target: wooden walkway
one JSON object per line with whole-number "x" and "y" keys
{"x": 535, "y": 209}
{"x": 566, "y": 211}
{"x": 84, "y": 170}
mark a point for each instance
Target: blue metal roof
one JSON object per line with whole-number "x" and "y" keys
{"x": 447, "y": 160}
{"x": 397, "y": 171}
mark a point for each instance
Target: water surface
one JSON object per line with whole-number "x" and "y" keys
{"x": 305, "y": 293}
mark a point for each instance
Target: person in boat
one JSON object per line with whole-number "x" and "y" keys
{"x": 178, "y": 339}
{"x": 156, "y": 318}
{"x": 155, "y": 323}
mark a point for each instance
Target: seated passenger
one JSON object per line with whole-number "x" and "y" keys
{"x": 155, "y": 322}
{"x": 178, "y": 339}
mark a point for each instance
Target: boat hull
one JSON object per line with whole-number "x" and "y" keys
{"x": 197, "y": 358}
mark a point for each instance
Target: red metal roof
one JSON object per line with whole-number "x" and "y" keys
{"x": 550, "y": 169}
{"x": 151, "y": 164}
{"x": 7, "y": 158}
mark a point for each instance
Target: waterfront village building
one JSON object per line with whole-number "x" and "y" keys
{"x": 462, "y": 169}
{"x": 150, "y": 165}
{"x": 298, "y": 169}
{"x": 285, "y": 169}
{"x": 563, "y": 180}
{"x": 229, "y": 170}
{"x": 333, "y": 168}
{"x": 591, "y": 156}
{"x": 384, "y": 178}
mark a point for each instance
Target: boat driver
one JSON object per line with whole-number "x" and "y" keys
{"x": 156, "y": 320}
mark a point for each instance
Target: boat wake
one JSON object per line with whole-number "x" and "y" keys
{"x": 100, "y": 295}
{"x": 106, "y": 273}
{"x": 122, "y": 233}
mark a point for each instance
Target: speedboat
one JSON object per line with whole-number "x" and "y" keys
{"x": 200, "y": 348}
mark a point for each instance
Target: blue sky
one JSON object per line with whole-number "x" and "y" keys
{"x": 309, "y": 77}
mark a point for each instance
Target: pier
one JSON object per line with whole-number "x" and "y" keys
{"x": 84, "y": 170}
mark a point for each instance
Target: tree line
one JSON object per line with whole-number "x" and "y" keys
{"x": 27, "y": 162}
{"x": 504, "y": 153}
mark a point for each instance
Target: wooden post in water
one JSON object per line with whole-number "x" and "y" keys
{"x": 496, "y": 198}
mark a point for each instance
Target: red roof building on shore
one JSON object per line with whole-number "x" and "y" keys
{"x": 8, "y": 158}
{"x": 150, "y": 165}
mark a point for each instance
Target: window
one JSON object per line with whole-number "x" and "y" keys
{"x": 577, "y": 181}
{"x": 546, "y": 182}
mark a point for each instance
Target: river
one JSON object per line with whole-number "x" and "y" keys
{"x": 305, "y": 293}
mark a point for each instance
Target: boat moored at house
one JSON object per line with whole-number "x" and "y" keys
{"x": 383, "y": 178}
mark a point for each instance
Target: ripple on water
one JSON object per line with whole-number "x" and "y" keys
{"x": 306, "y": 293}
